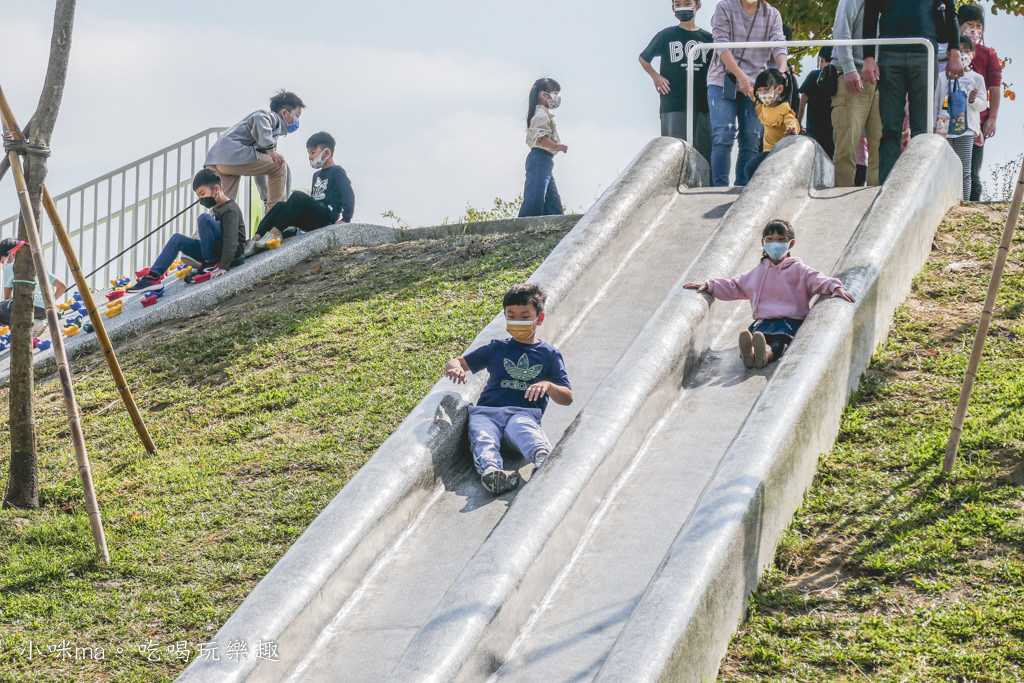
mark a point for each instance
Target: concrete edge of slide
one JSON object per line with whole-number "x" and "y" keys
{"x": 682, "y": 627}
{"x": 508, "y": 576}
{"x": 299, "y": 595}
{"x": 195, "y": 299}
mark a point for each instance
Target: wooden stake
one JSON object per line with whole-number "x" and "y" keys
{"x": 74, "y": 419}
{"x": 83, "y": 287}
{"x": 986, "y": 318}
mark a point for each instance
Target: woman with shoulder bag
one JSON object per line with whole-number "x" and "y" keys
{"x": 731, "y": 77}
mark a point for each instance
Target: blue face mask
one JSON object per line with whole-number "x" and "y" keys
{"x": 293, "y": 126}
{"x": 775, "y": 250}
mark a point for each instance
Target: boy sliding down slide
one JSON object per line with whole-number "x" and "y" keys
{"x": 522, "y": 373}
{"x": 332, "y": 195}
{"x": 221, "y": 236}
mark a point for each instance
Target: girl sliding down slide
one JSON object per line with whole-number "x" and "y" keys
{"x": 779, "y": 288}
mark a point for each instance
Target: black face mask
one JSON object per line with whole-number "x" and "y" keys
{"x": 685, "y": 14}
{"x": 208, "y": 202}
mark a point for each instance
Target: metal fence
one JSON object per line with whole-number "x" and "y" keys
{"x": 692, "y": 54}
{"x": 107, "y": 214}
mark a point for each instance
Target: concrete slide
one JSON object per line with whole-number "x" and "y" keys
{"x": 631, "y": 554}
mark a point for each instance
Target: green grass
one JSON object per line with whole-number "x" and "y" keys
{"x": 261, "y": 411}
{"x": 891, "y": 570}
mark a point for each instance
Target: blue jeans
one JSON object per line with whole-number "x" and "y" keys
{"x": 206, "y": 248}
{"x": 540, "y": 195}
{"x": 724, "y": 116}
{"x": 519, "y": 428}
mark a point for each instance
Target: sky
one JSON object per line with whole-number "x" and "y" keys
{"x": 427, "y": 100}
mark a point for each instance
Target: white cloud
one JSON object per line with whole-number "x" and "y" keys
{"x": 421, "y": 133}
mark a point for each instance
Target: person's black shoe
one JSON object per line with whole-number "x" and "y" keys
{"x": 499, "y": 481}
{"x": 290, "y": 232}
{"x": 209, "y": 266}
{"x": 147, "y": 283}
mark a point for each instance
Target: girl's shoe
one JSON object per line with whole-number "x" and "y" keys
{"x": 762, "y": 354}
{"x": 747, "y": 348}
{"x": 250, "y": 248}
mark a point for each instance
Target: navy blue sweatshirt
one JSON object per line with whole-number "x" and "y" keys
{"x": 333, "y": 189}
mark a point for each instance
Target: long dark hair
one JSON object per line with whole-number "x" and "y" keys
{"x": 539, "y": 86}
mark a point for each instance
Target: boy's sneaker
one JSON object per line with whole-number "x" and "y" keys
{"x": 540, "y": 457}
{"x": 290, "y": 232}
{"x": 190, "y": 261}
{"x": 269, "y": 235}
{"x": 499, "y": 481}
{"x": 761, "y": 351}
{"x": 208, "y": 267}
{"x": 147, "y": 283}
{"x": 747, "y": 348}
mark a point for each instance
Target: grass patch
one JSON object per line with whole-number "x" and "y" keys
{"x": 262, "y": 410}
{"x": 891, "y": 570}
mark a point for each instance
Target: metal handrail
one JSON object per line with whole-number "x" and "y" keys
{"x": 115, "y": 209}
{"x": 692, "y": 54}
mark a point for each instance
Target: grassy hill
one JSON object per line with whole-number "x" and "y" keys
{"x": 892, "y": 571}
{"x": 264, "y": 408}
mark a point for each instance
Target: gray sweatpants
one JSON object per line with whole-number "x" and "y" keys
{"x": 490, "y": 428}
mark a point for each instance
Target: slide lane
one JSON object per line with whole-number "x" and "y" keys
{"x": 570, "y": 634}
{"x": 370, "y": 632}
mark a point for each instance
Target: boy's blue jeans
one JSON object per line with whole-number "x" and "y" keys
{"x": 206, "y": 248}
{"x": 540, "y": 194}
{"x": 724, "y": 117}
{"x": 490, "y": 428}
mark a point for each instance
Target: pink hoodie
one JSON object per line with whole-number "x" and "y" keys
{"x": 782, "y": 290}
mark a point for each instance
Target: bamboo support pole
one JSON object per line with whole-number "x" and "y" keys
{"x": 986, "y": 318}
{"x": 90, "y": 304}
{"x": 74, "y": 418}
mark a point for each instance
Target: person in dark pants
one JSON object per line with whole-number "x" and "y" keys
{"x": 818, "y": 105}
{"x": 221, "y": 236}
{"x": 540, "y": 194}
{"x": 901, "y": 71}
{"x": 671, "y": 47}
{"x": 331, "y": 196}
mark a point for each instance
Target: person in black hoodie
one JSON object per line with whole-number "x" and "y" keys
{"x": 331, "y": 197}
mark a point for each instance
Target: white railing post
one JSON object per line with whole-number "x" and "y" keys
{"x": 692, "y": 54}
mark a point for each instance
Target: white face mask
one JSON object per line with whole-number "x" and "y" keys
{"x": 318, "y": 161}
{"x": 974, "y": 34}
{"x": 966, "y": 59}
{"x": 554, "y": 99}
{"x": 767, "y": 99}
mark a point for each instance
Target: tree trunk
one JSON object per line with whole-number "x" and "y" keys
{"x": 23, "y": 484}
